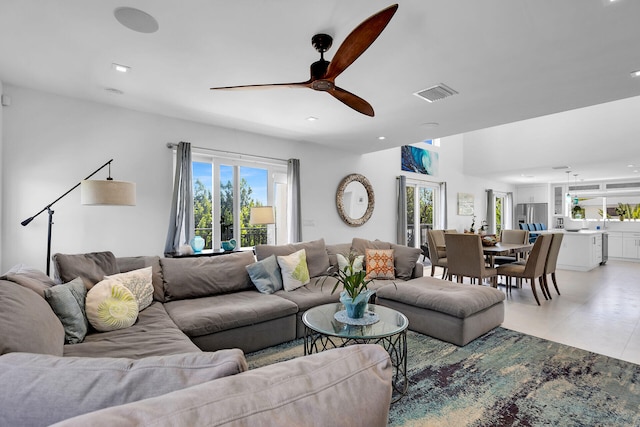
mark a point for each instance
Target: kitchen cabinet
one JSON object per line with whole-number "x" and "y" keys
{"x": 558, "y": 200}
{"x": 631, "y": 245}
{"x": 581, "y": 250}
{"x": 615, "y": 244}
{"x": 532, "y": 194}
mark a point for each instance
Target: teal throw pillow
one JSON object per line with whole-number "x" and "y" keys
{"x": 265, "y": 275}
{"x": 67, "y": 301}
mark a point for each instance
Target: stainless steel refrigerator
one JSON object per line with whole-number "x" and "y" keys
{"x": 532, "y": 213}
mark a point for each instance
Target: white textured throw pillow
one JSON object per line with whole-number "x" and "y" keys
{"x": 294, "y": 269}
{"x": 110, "y": 306}
{"x": 358, "y": 262}
{"x": 139, "y": 283}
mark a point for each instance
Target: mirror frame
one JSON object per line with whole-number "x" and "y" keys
{"x": 354, "y": 177}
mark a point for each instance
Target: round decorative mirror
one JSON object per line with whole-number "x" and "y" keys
{"x": 354, "y": 199}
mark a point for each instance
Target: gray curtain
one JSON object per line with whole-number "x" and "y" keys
{"x": 491, "y": 212}
{"x": 401, "y": 222}
{"x": 294, "y": 216}
{"x": 181, "y": 218}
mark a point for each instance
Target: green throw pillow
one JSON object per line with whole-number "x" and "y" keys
{"x": 295, "y": 272}
{"x": 67, "y": 301}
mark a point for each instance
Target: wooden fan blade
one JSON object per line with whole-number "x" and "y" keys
{"x": 359, "y": 40}
{"x": 265, "y": 86}
{"x": 353, "y": 101}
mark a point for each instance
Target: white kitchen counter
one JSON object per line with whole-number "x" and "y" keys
{"x": 580, "y": 250}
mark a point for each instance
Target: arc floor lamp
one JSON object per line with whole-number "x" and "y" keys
{"x": 93, "y": 192}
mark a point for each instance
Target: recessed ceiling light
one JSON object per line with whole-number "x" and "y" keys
{"x": 121, "y": 68}
{"x": 635, "y": 73}
{"x": 381, "y": 138}
{"x": 630, "y": 166}
{"x": 136, "y": 20}
{"x": 311, "y": 119}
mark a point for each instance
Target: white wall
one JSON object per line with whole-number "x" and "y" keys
{"x": 51, "y": 142}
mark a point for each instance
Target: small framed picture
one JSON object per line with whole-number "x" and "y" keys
{"x": 465, "y": 204}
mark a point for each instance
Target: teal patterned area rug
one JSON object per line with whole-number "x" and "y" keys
{"x": 505, "y": 378}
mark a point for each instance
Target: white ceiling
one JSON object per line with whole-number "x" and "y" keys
{"x": 509, "y": 61}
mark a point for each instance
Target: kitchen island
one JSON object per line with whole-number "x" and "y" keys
{"x": 581, "y": 250}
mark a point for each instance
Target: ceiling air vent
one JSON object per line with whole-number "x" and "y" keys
{"x": 436, "y": 93}
{"x": 623, "y": 185}
{"x": 584, "y": 187}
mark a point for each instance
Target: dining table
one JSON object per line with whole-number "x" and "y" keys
{"x": 501, "y": 249}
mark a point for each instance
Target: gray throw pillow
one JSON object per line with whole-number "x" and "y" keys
{"x": 405, "y": 259}
{"x": 41, "y": 390}
{"x": 266, "y": 275}
{"x": 67, "y": 301}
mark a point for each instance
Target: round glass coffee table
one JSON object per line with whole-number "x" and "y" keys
{"x": 323, "y": 332}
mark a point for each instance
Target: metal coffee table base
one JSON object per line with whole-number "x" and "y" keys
{"x": 396, "y": 346}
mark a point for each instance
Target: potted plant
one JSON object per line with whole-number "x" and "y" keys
{"x": 622, "y": 211}
{"x": 355, "y": 295}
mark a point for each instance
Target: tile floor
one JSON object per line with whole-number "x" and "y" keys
{"x": 598, "y": 310}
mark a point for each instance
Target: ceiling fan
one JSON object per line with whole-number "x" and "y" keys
{"x": 324, "y": 73}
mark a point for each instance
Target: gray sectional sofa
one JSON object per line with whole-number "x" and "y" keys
{"x": 182, "y": 362}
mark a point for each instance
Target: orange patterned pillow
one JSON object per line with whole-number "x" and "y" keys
{"x": 379, "y": 264}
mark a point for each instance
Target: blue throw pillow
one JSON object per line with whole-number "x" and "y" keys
{"x": 67, "y": 301}
{"x": 266, "y": 275}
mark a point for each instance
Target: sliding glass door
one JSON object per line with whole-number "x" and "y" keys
{"x": 422, "y": 211}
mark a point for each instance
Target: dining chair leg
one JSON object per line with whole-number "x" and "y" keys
{"x": 433, "y": 269}
{"x": 555, "y": 285}
{"x": 546, "y": 286}
{"x": 533, "y": 288}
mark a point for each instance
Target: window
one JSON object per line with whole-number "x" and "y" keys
{"x": 422, "y": 202}
{"x": 225, "y": 190}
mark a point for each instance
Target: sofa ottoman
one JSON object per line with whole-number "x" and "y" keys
{"x": 451, "y": 312}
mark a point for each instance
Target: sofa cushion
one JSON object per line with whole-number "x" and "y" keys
{"x": 317, "y": 292}
{"x": 154, "y": 334}
{"x": 317, "y": 257}
{"x": 20, "y": 310}
{"x": 360, "y": 246}
{"x": 92, "y": 267}
{"x": 206, "y": 276}
{"x": 139, "y": 282}
{"x": 439, "y": 295}
{"x": 126, "y": 264}
{"x": 67, "y": 301}
{"x": 110, "y": 306}
{"x": 44, "y": 389}
{"x": 311, "y": 390}
{"x": 208, "y": 315}
{"x": 29, "y": 277}
{"x": 294, "y": 270}
{"x": 265, "y": 275}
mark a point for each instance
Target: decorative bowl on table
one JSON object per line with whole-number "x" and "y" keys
{"x": 489, "y": 241}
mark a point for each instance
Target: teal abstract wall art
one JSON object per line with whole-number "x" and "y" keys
{"x": 419, "y": 161}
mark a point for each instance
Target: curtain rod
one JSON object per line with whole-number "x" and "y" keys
{"x": 173, "y": 146}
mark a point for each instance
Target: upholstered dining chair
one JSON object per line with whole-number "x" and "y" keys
{"x": 466, "y": 259}
{"x": 438, "y": 258}
{"x": 511, "y": 236}
{"x": 532, "y": 269}
{"x": 552, "y": 261}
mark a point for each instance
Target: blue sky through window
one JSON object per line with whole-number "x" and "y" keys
{"x": 256, "y": 178}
